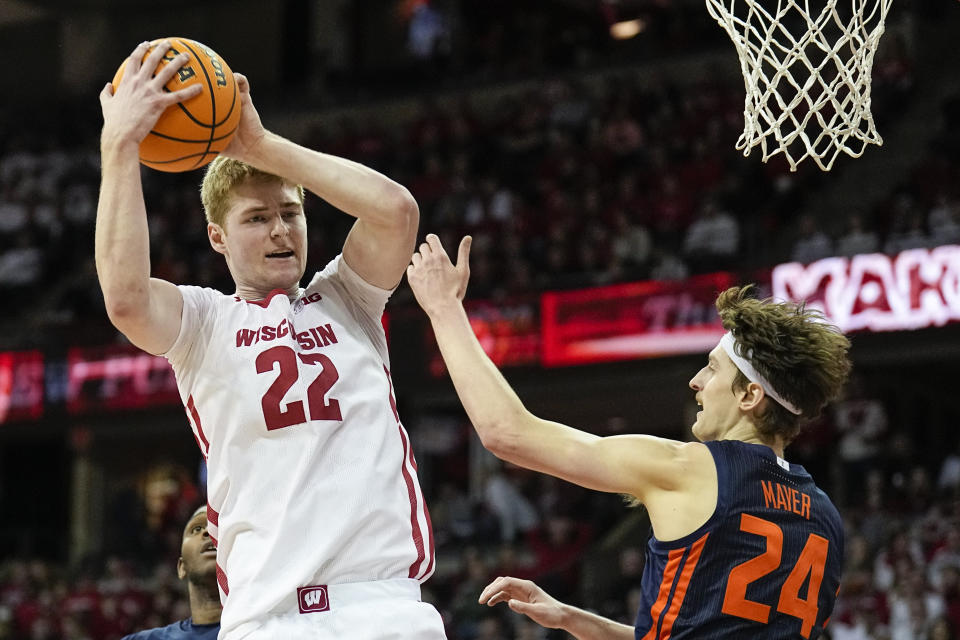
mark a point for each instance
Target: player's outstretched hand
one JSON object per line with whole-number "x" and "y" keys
{"x": 527, "y": 598}
{"x": 250, "y": 131}
{"x": 436, "y": 282}
{"x": 131, "y": 109}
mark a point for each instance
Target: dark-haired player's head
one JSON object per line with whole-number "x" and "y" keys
{"x": 778, "y": 365}
{"x": 198, "y": 557}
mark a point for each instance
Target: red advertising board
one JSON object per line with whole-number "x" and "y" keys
{"x": 21, "y": 386}
{"x": 629, "y": 321}
{"x": 875, "y": 292}
{"x": 117, "y": 377}
{"x": 509, "y": 333}
{"x": 916, "y": 289}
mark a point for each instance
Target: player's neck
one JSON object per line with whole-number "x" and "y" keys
{"x": 253, "y": 294}
{"x": 205, "y": 607}
{"x": 746, "y": 431}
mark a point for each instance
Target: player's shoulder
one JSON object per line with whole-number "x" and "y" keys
{"x": 347, "y": 289}
{"x": 694, "y": 452}
{"x": 332, "y": 270}
{"x": 158, "y": 633}
{"x": 204, "y": 295}
{"x": 719, "y": 449}
{"x": 181, "y": 630}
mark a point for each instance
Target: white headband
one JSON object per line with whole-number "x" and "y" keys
{"x": 728, "y": 343}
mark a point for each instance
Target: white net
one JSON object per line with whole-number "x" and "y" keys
{"x": 807, "y": 75}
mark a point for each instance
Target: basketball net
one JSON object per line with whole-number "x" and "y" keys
{"x": 807, "y": 75}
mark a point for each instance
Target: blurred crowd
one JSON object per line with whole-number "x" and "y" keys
{"x": 579, "y": 181}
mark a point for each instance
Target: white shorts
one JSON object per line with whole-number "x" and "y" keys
{"x": 379, "y": 610}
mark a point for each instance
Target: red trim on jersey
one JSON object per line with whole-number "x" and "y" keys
{"x": 426, "y": 512}
{"x": 213, "y": 517}
{"x": 222, "y": 580}
{"x": 433, "y": 556}
{"x": 412, "y": 495}
{"x": 266, "y": 301}
{"x": 393, "y": 399}
{"x": 411, "y": 490}
{"x": 669, "y": 573}
{"x": 681, "y": 591}
{"x": 199, "y": 435}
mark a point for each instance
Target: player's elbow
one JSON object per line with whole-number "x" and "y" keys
{"x": 125, "y": 307}
{"x": 120, "y": 314}
{"x": 403, "y": 206}
{"x": 490, "y": 437}
{"x": 503, "y": 436}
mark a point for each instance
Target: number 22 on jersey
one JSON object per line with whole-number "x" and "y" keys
{"x": 812, "y": 562}
{"x": 276, "y": 415}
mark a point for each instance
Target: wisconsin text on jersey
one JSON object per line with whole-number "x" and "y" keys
{"x": 312, "y": 338}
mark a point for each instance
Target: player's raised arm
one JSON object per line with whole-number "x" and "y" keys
{"x": 146, "y": 310}
{"x": 379, "y": 246}
{"x": 637, "y": 465}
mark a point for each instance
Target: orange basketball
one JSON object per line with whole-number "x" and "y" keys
{"x": 190, "y": 134}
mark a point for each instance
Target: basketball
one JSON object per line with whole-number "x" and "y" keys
{"x": 190, "y": 134}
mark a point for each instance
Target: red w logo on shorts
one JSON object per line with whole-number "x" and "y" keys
{"x": 312, "y": 599}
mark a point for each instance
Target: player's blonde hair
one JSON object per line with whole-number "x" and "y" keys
{"x": 222, "y": 175}
{"x": 802, "y": 356}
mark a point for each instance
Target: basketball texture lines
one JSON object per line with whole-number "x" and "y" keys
{"x": 190, "y": 134}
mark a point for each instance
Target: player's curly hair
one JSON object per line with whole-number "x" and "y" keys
{"x": 802, "y": 356}
{"x": 222, "y": 175}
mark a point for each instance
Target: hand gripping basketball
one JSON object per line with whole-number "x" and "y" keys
{"x": 189, "y": 134}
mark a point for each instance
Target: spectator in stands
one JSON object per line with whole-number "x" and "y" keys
{"x": 14, "y": 215}
{"x": 628, "y": 578}
{"x": 893, "y": 76}
{"x": 198, "y": 566}
{"x": 812, "y": 243}
{"x": 468, "y": 614}
{"x": 861, "y": 420}
{"x": 668, "y": 266}
{"x": 944, "y": 565}
{"x": 630, "y": 243}
{"x": 453, "y": 518}
{"x": 504, "y": 498}
{"x": 908, "y": 227}
{"x": 899, "y": 556}
{"x": 940, "y": 629}
{"x": 711, "y": 242}
{"x": 558, "y": 545}
{"x": 671, "y": 212}
{"x": 622, "y": 135}
{"x": 428, "y": 34}
{"x": 913, "y": 605}
{"x": 21, "y": 267}
{"x": 948, "y": 480}
{"x": 857, "y": 239}
{"x": 950, "y": 589}
{"x": 944, "y": 221}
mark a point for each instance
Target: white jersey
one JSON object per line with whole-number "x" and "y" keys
{"x": 311, "y": 476}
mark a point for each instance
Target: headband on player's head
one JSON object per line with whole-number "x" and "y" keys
{"x": 193, "y": 515}
{"x": 728, "y": 342}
